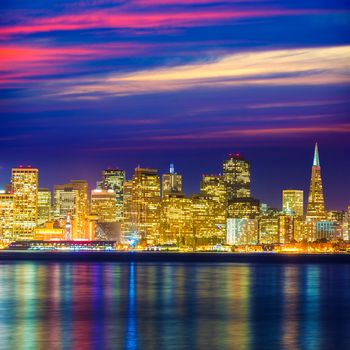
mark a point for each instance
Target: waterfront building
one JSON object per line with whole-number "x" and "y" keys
{"x": 328, "y": 230}
{"x": 6, "y": 216}
{"x": 286, "y": 228}
{"x": 293, "y": 202}
{"x": 299, "y": 233}
{"x": 49, "y": 232}
{"x": 72, "y": 200}
{"x": 269, "y": 228}
{"x": 315, "y": 205}
{"x": 146, "y": 202}
{"x": 108, "y": 231}
{"x": 172, "y": 182}
{"x": 24, "y": 183}
{"x": 113, "y": 179}
{"x": 44, "y": 206}
{"x": 103, "y": 205}
{"x": 242, "y": 231}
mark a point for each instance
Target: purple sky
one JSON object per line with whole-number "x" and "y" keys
{"x": 91, "y": 84}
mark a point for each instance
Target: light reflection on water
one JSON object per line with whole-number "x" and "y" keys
{"x": 174, "y": 306}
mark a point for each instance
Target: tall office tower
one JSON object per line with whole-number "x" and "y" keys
{"x": 315, "y": 205}
{"x": 175, "y": 219}
{"x": 113, "y": 179}
{"x": 293, "y": 202}
{"x": 25, "y": 199}
{"x": 103, "y": 205}
{"x": 129, "y": 216}
{"x": 237, "y": 177}
{"x": 6, "y": 216}
{"x": 237, "y": 182}
{"x": 172, "y": 182}
{"x": 146, "y": 199}
{"x": 72, "y": 199}
{"x": 44, "y": 206}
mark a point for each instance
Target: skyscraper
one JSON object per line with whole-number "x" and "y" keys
{"x": 25, "y": 201}
{"x": 44, "y": 206}
{"x": 237, "y": 177}
{"x": 72, "y": 200}
{"x": 315, "y": 205}
{"x": 113, "y": 179}
{"x": 293, "y": 202}
{"x": 172, "y": 182}
{"x": 146, "y": 202}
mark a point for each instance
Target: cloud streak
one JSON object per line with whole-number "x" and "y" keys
{"x": 116, "y": 19}
{"x": 310, "y": 66}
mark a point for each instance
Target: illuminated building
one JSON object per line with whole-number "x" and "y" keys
{"x": 315, "y": 205}
{"x": 213, "y": 187}
{"x": 6, "y": 216}
{"x": 172, "y": 182}
{"x": 243, "y": 208}
{"x": 237, "y": 182}
{"x": 49, "y": 232}
{"x": 176, "y": 220}
{"x": 299, "y": 233}
{"x": 107, "y": 231}
{"x": 237, "y": 177}
{"x": 146, "y": 199}
{"x": 340, "y": 221}
{"x": 72, "y": 199}
{"x": 206, "y": 225}
{"x": 129, "y": 216}
{"x": 25, "y": 200}
{"x": 286, "y": 228}
{"x": 293, "y": 202}
{"x": 242, "y": 231}
{"x": 328, "y": 230}
{"x": 269, "y": 229}
{"x": 103, "y": 205}
{"x": 44, "y": 206}
{"x": 113, "y": 179}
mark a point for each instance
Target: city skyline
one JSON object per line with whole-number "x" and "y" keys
{"x": 91, "y": 84}
{"x": 274, "y": 201}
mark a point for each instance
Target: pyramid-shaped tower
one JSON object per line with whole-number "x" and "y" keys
{"x": 315, "y": 205}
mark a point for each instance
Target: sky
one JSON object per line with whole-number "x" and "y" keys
{"x": 87, "y": 85}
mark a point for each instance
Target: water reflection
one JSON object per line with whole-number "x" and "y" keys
{"x": 173, "y": 306}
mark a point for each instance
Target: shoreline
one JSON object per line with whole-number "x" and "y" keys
{"x": 200, "y": 257}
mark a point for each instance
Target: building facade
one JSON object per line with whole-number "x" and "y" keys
{"x": 25, "y": 200}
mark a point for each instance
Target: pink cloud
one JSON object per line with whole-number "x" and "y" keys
{"x": 112, "y": 20}
{"x": 19, "y": 62}
{"x": 257, "y": 132}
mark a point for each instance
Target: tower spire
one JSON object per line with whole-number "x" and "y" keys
{"x": 316, "y": 158}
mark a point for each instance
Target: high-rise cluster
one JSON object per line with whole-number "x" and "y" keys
{"x": 153, "y": 210}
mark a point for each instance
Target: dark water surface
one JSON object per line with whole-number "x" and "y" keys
{"x": 174, "y": 306}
